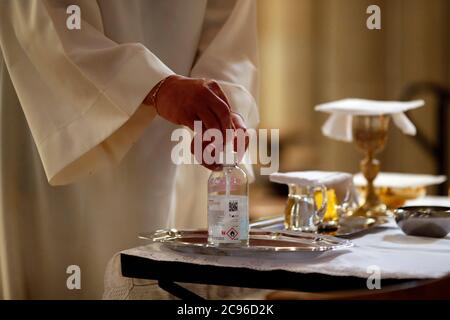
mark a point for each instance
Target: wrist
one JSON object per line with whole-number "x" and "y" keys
{"x": 152, "y": 97}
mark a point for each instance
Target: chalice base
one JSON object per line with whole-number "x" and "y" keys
{"x": 378, "y": 211}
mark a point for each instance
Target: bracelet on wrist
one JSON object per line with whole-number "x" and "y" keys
{"x": 153, "y": 96}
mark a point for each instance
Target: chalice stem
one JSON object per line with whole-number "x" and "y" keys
{"x": 370, "y": 168}
{"x": 370, "y": 134}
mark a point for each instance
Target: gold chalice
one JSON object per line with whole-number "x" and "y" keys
{"x": 370, "y": 135}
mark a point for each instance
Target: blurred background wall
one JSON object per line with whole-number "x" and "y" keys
{"x": 313, "y": 51}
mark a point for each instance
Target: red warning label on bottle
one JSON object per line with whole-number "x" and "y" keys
{"x": 232, "y": 233}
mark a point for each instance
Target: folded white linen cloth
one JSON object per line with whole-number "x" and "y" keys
{"x": 341, "y": 182}
{"x": 400, "y": 180}
{"x": 307, "y": 178}
{"x": 439, "y": 201}
{"x": 389, "y": 251}
{"x": 396, "y": 255}
{"x": 339, "y": 124}
{"x": 118, "y": 287}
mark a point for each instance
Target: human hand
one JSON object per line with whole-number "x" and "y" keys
{"x": 183, "y": 100}
{"x": 239, "y": 136}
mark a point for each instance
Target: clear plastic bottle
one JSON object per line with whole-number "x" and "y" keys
{"x": 228, "y": 219}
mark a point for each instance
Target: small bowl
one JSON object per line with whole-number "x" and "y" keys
{"x": 425, "y": 221}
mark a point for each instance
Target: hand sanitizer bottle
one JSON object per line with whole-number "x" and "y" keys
{"x": 228, "y": 219}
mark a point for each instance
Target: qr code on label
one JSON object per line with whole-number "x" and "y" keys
{"x": 232, "y": 206}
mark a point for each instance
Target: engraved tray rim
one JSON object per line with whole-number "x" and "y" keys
{"x": 317, "y": 242}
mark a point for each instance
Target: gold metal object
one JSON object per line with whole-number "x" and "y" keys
{"x": 331, "y": 218}
{"x": 395, "y": 197}
{"x": 370, "y": 135}
{"x": 331, "y": 215}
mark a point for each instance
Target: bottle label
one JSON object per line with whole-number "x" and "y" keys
{"x": 227, "y": 219}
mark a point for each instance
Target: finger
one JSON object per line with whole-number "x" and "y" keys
{"x": 186, "y": 118}
{"x": 241, "y": 137}
{"x": 208, "y": 118}
{"x": 215, "y": 87}
{"x": 220, "y": 109}
{"x": 237, "y": 121}
{"x": 212, "y": 167}
{"x": 199, "y": 154}
{"x": 212, "y": 122}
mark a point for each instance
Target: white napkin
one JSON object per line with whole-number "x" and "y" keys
{"x": 339, "y": 124}
{"x": 439, "y": 201}
{"x": 400, "y": 180}
{"x": 341, "y": 182}
{"x": 308, "y": 178}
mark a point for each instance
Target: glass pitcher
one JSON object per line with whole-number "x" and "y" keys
{"x": 302, "y": 213}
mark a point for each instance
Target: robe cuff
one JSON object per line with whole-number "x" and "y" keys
{"x": 107, "y": 130}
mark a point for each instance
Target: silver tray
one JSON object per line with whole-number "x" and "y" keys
{"x": 279, "y": 242}
{"x": 353, "y": 226}
{"x": 347, "y": 228}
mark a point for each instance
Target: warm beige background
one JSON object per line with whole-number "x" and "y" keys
{"x": 314, "y": 51}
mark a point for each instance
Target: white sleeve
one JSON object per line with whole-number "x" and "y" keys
{"x": 81, "y": 92}
{"x": 229, "y": 54}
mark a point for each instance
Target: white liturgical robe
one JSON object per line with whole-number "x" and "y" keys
{"x": 84, "y": 166}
